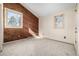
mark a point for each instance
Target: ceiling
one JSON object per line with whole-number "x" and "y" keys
{"x": 43, "y": 9}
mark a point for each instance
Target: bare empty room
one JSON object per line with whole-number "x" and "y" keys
{"x": 39, "y": 29}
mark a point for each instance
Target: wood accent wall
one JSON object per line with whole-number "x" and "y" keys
{"x": 29, "y": 20}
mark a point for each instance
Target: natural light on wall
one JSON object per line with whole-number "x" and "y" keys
{"x": 33, "y": 33}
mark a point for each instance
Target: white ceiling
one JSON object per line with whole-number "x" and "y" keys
{"x": 43, "y": 9}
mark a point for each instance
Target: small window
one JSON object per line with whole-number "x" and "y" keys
{"x": 13, "y": 19}
{"x": 59, "y": 21}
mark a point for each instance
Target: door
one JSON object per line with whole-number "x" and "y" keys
{"x": 77, "y": 31}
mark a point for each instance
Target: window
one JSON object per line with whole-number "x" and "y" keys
{"x": 13, "y": 19}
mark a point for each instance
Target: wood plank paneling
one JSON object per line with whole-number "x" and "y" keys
{"x": 29, "y": 20}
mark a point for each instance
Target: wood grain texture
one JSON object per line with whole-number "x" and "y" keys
{"x": 29, "y": 21}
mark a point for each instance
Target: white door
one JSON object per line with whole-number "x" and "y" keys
{"x": 77, "y": 32}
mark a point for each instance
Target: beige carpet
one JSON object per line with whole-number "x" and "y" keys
{"x": 37, "y": 47}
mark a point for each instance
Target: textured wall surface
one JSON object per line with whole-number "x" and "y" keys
{"x": 29, "y": 21}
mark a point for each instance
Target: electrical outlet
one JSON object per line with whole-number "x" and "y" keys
{"x": 64, "y": 37}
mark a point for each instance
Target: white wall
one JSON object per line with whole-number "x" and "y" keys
{"x": 1, "y": 29}
{"x": 77, "y": 34}
{"x": 47, "y": 26}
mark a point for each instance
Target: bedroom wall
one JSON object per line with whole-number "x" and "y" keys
{"x": 77, "y": 34}
{"x": 47, "y": 26}
{"x": 29, "y": 21}
{"x": 1, "y": 28}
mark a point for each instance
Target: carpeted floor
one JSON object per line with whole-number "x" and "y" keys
{"x": 37, "y": 47}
